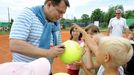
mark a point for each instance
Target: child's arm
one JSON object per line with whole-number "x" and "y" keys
{"x": 88, "y": 58}
{"x": 88, "y": 40}
{"x": 90, "y": 61}
{"x": 87, "y": 72}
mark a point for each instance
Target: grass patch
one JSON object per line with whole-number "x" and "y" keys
{"x": 2, "y": 32}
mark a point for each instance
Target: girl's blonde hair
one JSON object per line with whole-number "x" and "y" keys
{"x": 119, "y": 49}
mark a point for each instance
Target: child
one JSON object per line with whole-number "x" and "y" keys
{"x": 129, "y": 70}
{"x": 131, "y": 35}
{"x": 90, "y": 29}
{"x": 111, "y": 53}
{"x": 73, "y": 69}
{"x": 40, "y": 66}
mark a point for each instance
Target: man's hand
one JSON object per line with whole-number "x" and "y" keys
{"x": 55, "y": 51}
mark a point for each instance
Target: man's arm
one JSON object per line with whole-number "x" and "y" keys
{"x": 126, "y": 28}
{"x": 22, "y": 47}
{"x": 109, "y": 31}
{"x": 109, "y": 27}
{"x": 126, "y": 32}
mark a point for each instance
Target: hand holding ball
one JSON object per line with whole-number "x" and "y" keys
{"x": 72, "y": 53}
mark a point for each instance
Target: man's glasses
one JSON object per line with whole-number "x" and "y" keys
{"x": 117, "y": 13}
{"x": 59, "y": 11}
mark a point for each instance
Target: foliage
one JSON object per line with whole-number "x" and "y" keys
{"x": 97, "y": 15}
{"x": 129, "y": 14}
{"x": 85, "y": 19}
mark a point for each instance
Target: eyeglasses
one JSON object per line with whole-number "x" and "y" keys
{"x": 117, "y": 13}
{"x": 59, "y": 11}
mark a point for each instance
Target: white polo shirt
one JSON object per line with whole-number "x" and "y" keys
{"x": 117, "y": 26}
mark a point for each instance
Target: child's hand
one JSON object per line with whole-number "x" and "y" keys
{"x": 78, "y": 28}
{"x": 77, "y": 64}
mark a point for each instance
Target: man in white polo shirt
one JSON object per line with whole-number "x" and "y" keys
{"x": 117, "y": 25}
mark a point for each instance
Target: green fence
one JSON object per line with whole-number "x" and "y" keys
{"x": 4, "y": 24}
{"x": 130, "y": 21}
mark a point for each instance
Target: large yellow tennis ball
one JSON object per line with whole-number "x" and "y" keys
{"x": 61, "y": 73}
{"x": 73, "y": 52}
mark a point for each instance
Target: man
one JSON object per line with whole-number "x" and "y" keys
{"x": 31, "y": 32}
{"x": 117, "y": 25}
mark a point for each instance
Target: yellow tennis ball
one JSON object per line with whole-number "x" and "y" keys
{"x": 73, "y": 52}
{"x": 61, "y": 74}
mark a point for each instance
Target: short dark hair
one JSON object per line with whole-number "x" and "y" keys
{"x": 131, "y": 26}
{"x": 56, "y": 2}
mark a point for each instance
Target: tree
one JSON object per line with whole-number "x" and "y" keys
{"x": 129, "y": 14}
{"x": 119, "y": 7}
{"x": 110, "y": 14}
{"x": 62, "y": 22}
{"x": 97, "y": 15}
{"x": 75, "y": 20}
{"x": 85, "y": 19}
